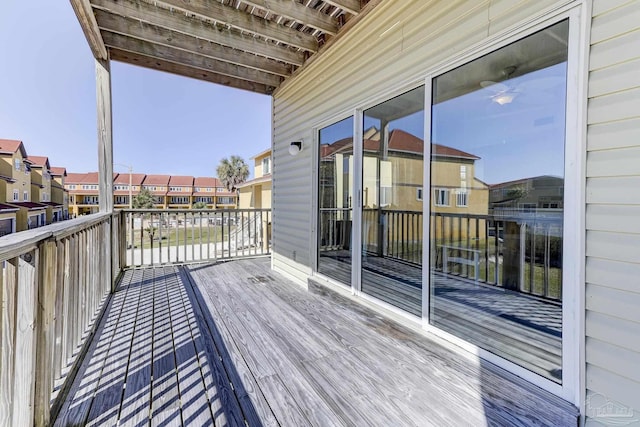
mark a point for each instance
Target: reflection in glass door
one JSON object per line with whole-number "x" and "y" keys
{"x": 497, "y": 200}
{"x": 335, "y": 200}
{"x": 392, "y": 178}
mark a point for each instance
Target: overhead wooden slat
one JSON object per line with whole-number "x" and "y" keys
{"x": 243, "y": 21}
{"x": 351, "y": 6}
{"x": 183, "y": 70}
{"x": 189, "y": 59}
{"x": 192, "y": 26}
{"x": 299, "y": 13}
{"x": 158, "y": 35}
{"x": 83, "y": 11}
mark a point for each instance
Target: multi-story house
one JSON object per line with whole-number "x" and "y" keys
{"x": 41, "y": 188}
{"x": 256, "y": 192}
{"x": 121, "y": 190}
{"x": 15, "y": 185}
{"x": 180, "y": 192}
{"x": 204, "y": 190}
{"x": 158, "y": 185}
{"x": 59, "y": 194}
{"x": 83, "y": 193}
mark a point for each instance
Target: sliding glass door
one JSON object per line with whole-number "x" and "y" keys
{"x": 392, "y": 176}
{"x": 497, "y": 201}
{"x": 335, "y": 200}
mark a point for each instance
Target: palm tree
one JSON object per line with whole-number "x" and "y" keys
{"x": 232, "y": 172}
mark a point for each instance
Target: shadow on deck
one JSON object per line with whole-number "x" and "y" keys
{"x": 235, "y": 341}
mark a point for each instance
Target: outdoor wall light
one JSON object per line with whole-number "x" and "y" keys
{"x": 295, "y": 147}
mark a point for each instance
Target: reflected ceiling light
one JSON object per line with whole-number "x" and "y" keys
{"x": 504, "y": 98}
{"x": 295, "y": 147}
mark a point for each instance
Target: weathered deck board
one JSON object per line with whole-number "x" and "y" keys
{"x": 237, "y": 344}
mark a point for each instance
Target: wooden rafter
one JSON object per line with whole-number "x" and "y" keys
{"x": 299, "y": 13}
{"x": 243, "y": 21}
{"x": 162, "y": 36}
{"x": 179, "y": 22}
{"x": 188, "y": 59}
{"x": 183, "y": 70}
{"x": 82, "y": 8}
{"x": 351, "y": 6}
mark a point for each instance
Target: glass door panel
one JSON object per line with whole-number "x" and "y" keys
{"x": 497, "y": 195}
{"x": 335, "y": 200}
{"x": 392, "y": 177}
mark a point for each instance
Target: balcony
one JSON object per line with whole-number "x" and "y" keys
{"x": 106, "y": 323}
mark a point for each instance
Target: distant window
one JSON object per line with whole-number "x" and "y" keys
{"x": 463, "y": 172}
{"x": 441, "y": 197}
{"x": 266, "y": 165}
{"x": 419, "y": 194}
{"x": 17, "y": 163}
{"x": 462, "y": 198}
{"x": 25, "y": 196}
{"x": 16, "y": 195}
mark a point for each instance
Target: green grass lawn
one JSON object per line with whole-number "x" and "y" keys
{"x": 177, "y": 237}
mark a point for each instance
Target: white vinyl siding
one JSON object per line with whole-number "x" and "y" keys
{"x": 396, "y": 44}
{"x": 613, "y": 206}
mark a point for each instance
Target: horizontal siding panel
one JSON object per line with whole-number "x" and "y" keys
{"x": 603, "y": 6}
{"x": 621, "y": 77}
{"x": 618, "y": 303}
{"x": 617, "y": 190}
{"x": 615, "y": 51}
{"x": 610, "y": 163}
{"x": 615, "y": 246}
{"x": 616, "y": 22}
{"x": 615, "y": 387}
{"x": 504, "y": 13}
{"x": 619, "y": 106}
{"x": 618, "y": 360}
{"x": 613, "y": 274}
{"x": 625, "y": 133}
{"x": 613, "y": 330}
{"x": 613, "y": 218}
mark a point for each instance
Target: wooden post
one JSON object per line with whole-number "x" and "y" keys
{"x": 511, "y": 257}
{"x": 8, "y": 343}
{"x": 105, "y": 135}
{"x": 44, "y": 332}
{"x": 23, "y": 385}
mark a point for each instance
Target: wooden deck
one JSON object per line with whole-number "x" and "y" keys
{"x": 237, "y": 344}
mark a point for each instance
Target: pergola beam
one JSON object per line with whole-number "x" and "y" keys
{"x": 351, "y": 6}
{"x": 181, "y": 23}
{"x": 299, "y": 13}
{"x": 162, "y": 36}
{"x": 183, "y": 70}
{"x": 84, "y": 13}
{"x": 189, "y": 59}
{"x": 242, "y": 21}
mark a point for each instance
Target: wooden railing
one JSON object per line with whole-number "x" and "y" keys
{"x": 169, "y": 236}
{"x": 55, "y": 284}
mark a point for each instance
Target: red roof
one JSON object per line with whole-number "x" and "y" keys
{"x": 156, "y": 180}
{"x": 123, "y": 178}
{"x": 58, "y": 171}
{"x": 39, "y": 161}
{"x": 204, "y": 181}
{"x": 181, "y": 181}
{"x": 10, "y": 146}
{"x": 75, "y": 178}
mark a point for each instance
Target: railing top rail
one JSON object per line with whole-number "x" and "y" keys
{"x": 183, "y": 210}
{"x": 16, "y": 244}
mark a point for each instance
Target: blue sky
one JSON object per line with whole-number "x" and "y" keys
{"x": 162, "y": 123}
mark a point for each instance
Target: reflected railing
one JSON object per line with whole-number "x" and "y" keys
{"x": 513, "y": 249}
{"x": 169, "y": 236}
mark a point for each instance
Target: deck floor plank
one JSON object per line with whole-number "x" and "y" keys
{"x": 236, "y": 344}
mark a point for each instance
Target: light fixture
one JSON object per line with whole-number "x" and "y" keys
{"x": 295, "y": 147}
{"x": 504, "y": 98}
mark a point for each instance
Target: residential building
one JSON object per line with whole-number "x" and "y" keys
{"x": 41, "y": 188}
{"x": 83, "y": 193}
{"x": 180, "y": 194}
{"x": 256, "y": 192}
{"x": 59, "y": 194}
{"x": 158, "y": 185}
{"x": 204, "y": 190}
{"x": 125, "y": 186}
{"x": 15, "y": 172}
